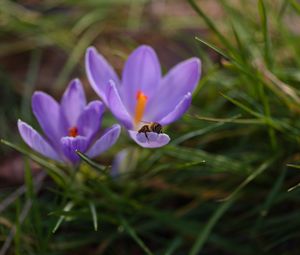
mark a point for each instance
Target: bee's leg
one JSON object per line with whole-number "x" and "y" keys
{"x": 146, "y": 136}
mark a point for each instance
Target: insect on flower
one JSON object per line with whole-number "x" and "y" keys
{"x": 68, "y": 126}
{"x": 143, "y": 94}
{"x": 150, "y": 127}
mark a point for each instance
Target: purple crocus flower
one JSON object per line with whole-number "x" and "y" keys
{"x": 143, "y": 95}
{"x": 69, "y": 126}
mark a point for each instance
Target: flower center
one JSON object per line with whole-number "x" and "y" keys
{"x": 73, "y": 131}
{"x": 141, "y": 101}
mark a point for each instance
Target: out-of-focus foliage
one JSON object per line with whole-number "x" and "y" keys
{"x": 220, "y": 187}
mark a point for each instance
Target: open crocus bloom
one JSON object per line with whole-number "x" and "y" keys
{"x": 69, "y": 126}
{"x": 143, "y": 95}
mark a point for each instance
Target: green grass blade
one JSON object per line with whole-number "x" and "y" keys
{"x": 294, "y": 166}
{"x": 57, "y": 174}
{"x": 94, "y": 215}
{"x": 204, "y": 234}
{"x": 252, "y": 176}
{"x": 173, "y": 246}
{"x": 270, "y": 199}
{"x": 265, "y": 30}
{"x": 67, "y": 208}
{"x": 134, "y": 236}
{"x": 295, "y": 5}
{"x": 216, "y": 49}
{"x": 28, "y": 180}
{"x": 18, "y": 233}
{"x": 91, "y": 162}
{"x": 210, "y": 24}
{"x": 202, "y": 131}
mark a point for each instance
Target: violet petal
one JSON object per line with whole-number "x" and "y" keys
{"x": 154, "y": 140}
{"x": 179, "y": 110}
{"x": 89, "y": 121}
{"x": 71, "y": 144}
{"x": 117, "y": 107}
{"x": 35, "y": 141}
{"x": 142, "y": 72}
{"x": 73, "y": 102}
{"x": 99, "y": 72}
{"x": 47, "y": 112}
{"x": 119, "y": 162}
{"x": 180, "y": 80}
{"x": 107, "y": 140}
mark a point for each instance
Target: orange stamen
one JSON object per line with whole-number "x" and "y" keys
{"x": 73, "y": 131}
{"x": 141, "y": 101}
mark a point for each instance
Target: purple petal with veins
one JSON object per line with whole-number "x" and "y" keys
{"x": 154, "y": 140}
{"x": 48, "y": 113}
{"x": 179, "y": 110}
{"x": 73, "y": 102}
{"x": 90, "y": 120}
{"x": 142, "y": 72}
{"x": 35, "y": 141}
{"x": 71, "y": 144}
{"x": 117, "y": 107}
{"x": 107, "y": 140}
{"x": 99, "y": 72}
{"x": 180, "y": 80}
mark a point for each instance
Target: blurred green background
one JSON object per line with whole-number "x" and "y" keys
{"x": 226, "y": 184}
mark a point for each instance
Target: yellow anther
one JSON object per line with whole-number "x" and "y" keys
{"x": 141, "y": 101}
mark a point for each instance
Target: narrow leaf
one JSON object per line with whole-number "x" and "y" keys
{"x": 94, "y": 215}
{"x": 67, "y": 208}
{"x": 91, "y": 162}
{"x": 134, "y": 236}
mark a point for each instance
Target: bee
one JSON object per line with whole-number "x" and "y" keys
{"x": 151, "y": 127}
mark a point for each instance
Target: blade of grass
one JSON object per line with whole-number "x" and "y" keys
{"x": 91, "y": 162}
{"x": 94, "y": 215}
{"x": 295, "y": 5}
{"x": 18, "y": 233}
{"x": 216, "y": 49}
{"x": 267, "y": 41}
{"x": 270, "y": 199}
{"x": 67, "y": 208}
{"x": 76, "y": 54}
{"x": 252, "y": 176}
{"x": 57, "y": 174}
{"x": 134, "y": 236}
{"x": 294, "y": 166}
{"x": 31, "y": 185}
{"x": 31, "y": 78}
{"x": 267, "y": 120}
{"x": 210, "y": 24}
{"x": 204, "y": 234}
{"x": 173, "y": 246}
{"x": 200, "y": 132}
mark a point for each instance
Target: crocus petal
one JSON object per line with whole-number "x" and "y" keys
{"x": 107, "y": 140}
{"x": 180, "y": 80}
{"x": 71, "y": 144}
{"x": 142, "y": 72}
{"x": 35, "y": 141}
{"x": 99, "y": 72}
{"x": 117, "y": 107}
{"x": 47, "y": 112}
{"x": 154, "y": 140}
{"x": 119, "y": 162}
{"x": 90, "y": 119}
{"x": 73, "y": 102}
{"x": 179, "y": 110}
